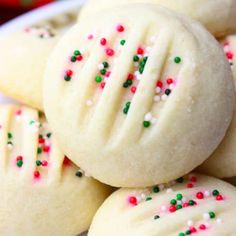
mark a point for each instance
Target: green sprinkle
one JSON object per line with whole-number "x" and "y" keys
{"x": 31, "y": 122}
{"x": 212, "y": 214}
{"x": 178, "y": 207}
{"x": 180, "y": 180}
{"x": 67, "y": 78}
{"x": 39, "y": 150}
{"x": 79, "y": 174}
{"x": 156, "y": 189}
{"x": 148, "y": 198}
{"x": 126, "y": 110}
{"x": 177, "y": 60}
{"x": 19, "y": 163}
{"x": 145, "y": 59}
{"x": 146, "y": 124}
{"x": 105, "y": 64}
{"x": 98, "y": 79}
{"x": 141, "y": 69}
{"x": 122, "y": 42}
{"x": 215, "y": 192}
{"x": 129, "y": 82}
{"x": 77, "y": 53}
{"x": 38, "y": 163}
{"x": 125, "y": 85}
{"x": 9, "y": 135}
{"x": 49, "y": 135}
{"x": 188, "y": 232}
{"x": 181, "y": 234}
{"x": 103, "y": 72}
{"x": 191, "y": 203}
{"x": 156, "y": 217}
{"x": 135, "y": 58}
{"x": 128, "y": 104}
{"x": 73, "y": 59}
{"x": 179, "y": 196}
{"x": 173, "y": 202}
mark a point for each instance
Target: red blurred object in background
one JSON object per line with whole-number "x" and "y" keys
{"x": 12, "y": 8}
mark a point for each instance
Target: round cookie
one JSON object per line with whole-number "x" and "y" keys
{"x": 141, "y": 103}
{"x": 23, "y": 59}
{"x": 222, "y": 163}
{"x": 42, "y": 192}
{"x": 218, "y": 17}
{"x": 199, "y": 205}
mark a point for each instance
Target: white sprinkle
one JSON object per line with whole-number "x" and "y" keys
{"x": 148, "y": 117}
{"x": 136, "y": 64}
{"x": 206, "y": 216}
{"x": 143, "y": 196}
{"x": 164, "y": 97}
{"x": 89, "y": 103}
{"x": 219, "y": 221}
{"x": 9, "y": 146}
{"x": 158, "y": 89}
{"x": 179, "y": 202}
{"x": 100, "y": 66}
{"x": 163, "y": 208}
{"x": 226, "y": 48}
{"x": 169, "y": 190}
{"x": 190, "y": 223}
{"x": 171, "y": 86}
{"x": 157, "y": 98}
{"x": 207, "y": 193}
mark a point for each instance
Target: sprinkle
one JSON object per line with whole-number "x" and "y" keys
{"x": 110, "y": 52}
{"x": 219, "y": 220}
{"x": 169, "y": 81}
{"x": 157, "y": 98}
{"x": 39, "y": 150}
{"x": 172, "y": 209}
{"x": 156, "y": 217}
{"x": 156, "y": 189}
{"x": 77, "y": 53}
{"x": 202, "y": 227}
{"x": 136, "y": 58}
{"x": 148, "y": 117}
{"x": 133, "y": 200}
{"x": 98, "y": 79}
{"x": 167, "y": 92}
{"x": 179, "y": 196}
{"x": 73, "y": 59}
{"x": 190, "y": 223}
{"x": 164, "y": 97}
{"x": 44, "y": 163}
{"x": 90, "y": 36}
{"x": 146, "y": 124}
{"x": 79, "y": 173}
{"x": 122, "y": 42}
{"x": 177, "y": 60}
{"x": 9, "y": 135}
{"x": 120, "y": 28}
{"x": 212, "y": 215}
{"x": 38, "y": 163}
{"x": 103, "y": 41}
{"x": 215, "y": 192}
{"x": 36, "y": 174}
{"x": 200, "y": 195}
{"x": 140, "y": 51}
{"x": 46, "y": 149}
{"x": 206, "y": 193}
{"x": 219, "y": 198}
{"x": 133, "y": 89}
{"x": 159, "y": 84}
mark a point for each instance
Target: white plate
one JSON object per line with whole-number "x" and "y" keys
{"x": 39, "y": 15}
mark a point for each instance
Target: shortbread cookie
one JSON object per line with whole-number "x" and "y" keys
{"x": 223, "y": 161}
{"x": 197, "y": 205}
{"x": 42, "y": 192}
{"x": 23, "y": 59}
{"x": 219, "y": 17}
{"x": 136, "y": 101}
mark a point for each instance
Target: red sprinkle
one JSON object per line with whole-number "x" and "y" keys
{"x": 103, "y": 84}
{"x": 120, "y": 28}
{"x": 140, "y": 51}
{"x": 69, "y": 72}
{"x": 219, "y": 198}
{"x": 169, "y": 81}
{"x": 193, "y": 229}
{"x": 103, "y": 41}
{"x": 90, "y": 36}
{"x": 133, "y": 200}
{"x": 44, "y": 163}
{"x": 159, "y": 84}
{"x": 79, "y": 58}
{"x": 18, "y": 112}
{"x": 200, "y": 195}
{"x": 110, "y": 52}
{"x": 193, "y": 179}
{"x": 46, "y": 148}
{"x": 130, "y": 76}
{"x": 107, "y": 74}
{"x": 172, "y": 209}
{"x": 41, "y": 140}
{"x": 133, "y": 89}
{"x": 185, "y": 204}
{"x": 230, "y": 55}
{"x": 19, "y": 158}
{"x": 189, "y": 185}
{"x": 36, "y": 174}
{"x": 202, "y": 227}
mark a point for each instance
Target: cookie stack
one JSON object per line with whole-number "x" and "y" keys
{"x": 138, "y": 94}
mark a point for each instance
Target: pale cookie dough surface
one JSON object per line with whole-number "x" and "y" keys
{"x": 223, "y": 161}
{"x": 136, "y": 101}
{"x": 42, "y": 192}
{"x": 23, "y": 59}
{"x": 199, "y": 205}
{"x": 218, "y": 16}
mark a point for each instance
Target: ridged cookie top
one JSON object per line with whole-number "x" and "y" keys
{"x": 195, "y": 204}
{"x": 132, "y": 88}
{"x": 29, "y": 150}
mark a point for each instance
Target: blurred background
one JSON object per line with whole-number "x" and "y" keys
{"x": 12, "y": 8}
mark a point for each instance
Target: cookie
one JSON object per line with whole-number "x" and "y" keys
{"x": 197, "y": 205}
{"x": 223, "y": 161}
{"x": 23, "y": 59}
{"x": 42, "y": 192}
{"x": 204, "y": 11}
{"x": 136, "y": 101}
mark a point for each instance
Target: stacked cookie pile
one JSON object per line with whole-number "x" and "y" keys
{"x": 137, "y": 95}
